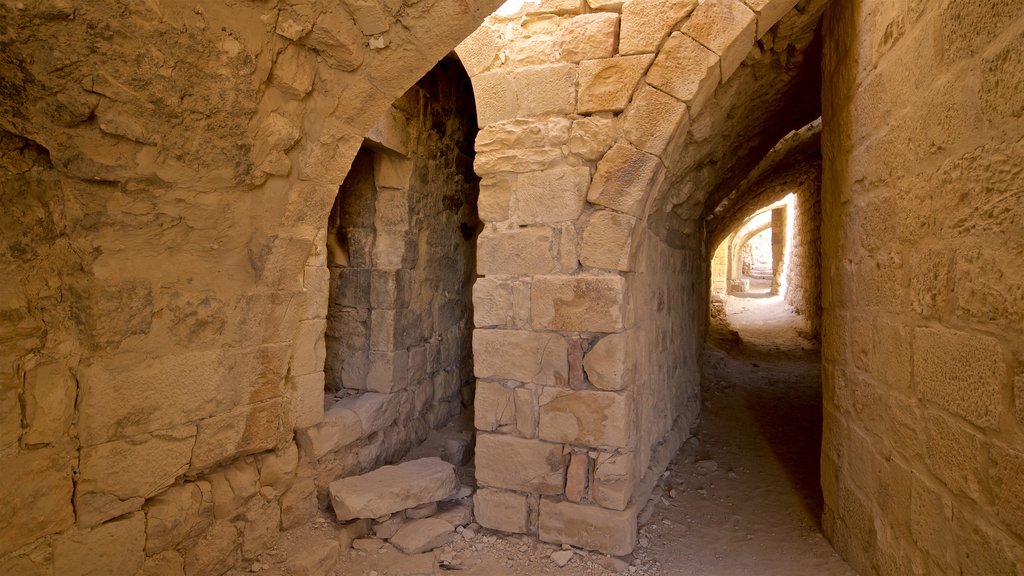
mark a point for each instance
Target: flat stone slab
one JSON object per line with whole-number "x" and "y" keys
{"x": 418, "y": 536}
{"x": 391, "y": 489}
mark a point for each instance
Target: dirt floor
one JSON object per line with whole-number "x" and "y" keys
{"x": 741, "y": 499}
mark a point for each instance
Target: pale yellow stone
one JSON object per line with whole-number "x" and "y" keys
{"x": 591, "y": 137}
{"x": 686, "y": 70}
{"x": 960, "y": 371}
{"x": 495, "y": 197}
{"x": 501, "y": 510}
{"x": 526, "y": 411}
{"x": 623, "y": 178}
{"x": 607, "y": 85}
{"x": 585, "y": 418}
{"x": 520, "y": 464}
{"x": 607, "y": 240}
{"x": 233, "y": 486}
{"x": 614, "y": 480}
{"x": 294, "y": 71}
{"x": 646, "y": 23}
{"x": 590, "y": 36}
{"x": 527, "y": 250}
{"x": 492, "y": 303}
{"x": 245, "y": 430}
{"x": 340, "y": 427}
{"x": 177, "y": 514}
{"x": 769, "y": 12}
{"x": 547, "y": 89}
{"x": 727, "y": 27}
{"x": 610, "y": 531}
{"x": 538, "y": 357}
{"x": 493, "y": 407}
{"x": 478, "y": 51}
{"x": 550, "y": 196}
{"x": 578, "y": 303}
{"x": 610, "y": 364}
{"x": 496, "y": 97}
{"x": 520, "y": 133}
{"x": 653, "y": 119}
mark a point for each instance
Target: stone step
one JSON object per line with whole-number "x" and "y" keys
{"x": 391, "y": 489}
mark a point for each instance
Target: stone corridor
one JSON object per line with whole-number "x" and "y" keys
{"x": 255, "y": 254}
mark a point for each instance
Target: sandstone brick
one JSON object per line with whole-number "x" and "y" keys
{"x": 1008, "y": 485}
{"x": 526, "y": 412}
{"x": 769, "y": 12}
{"x": 606, "y": 85}
{"x": 538, "y": 357}
{"x": 550, "y": 196}
{"x": 686, "y": 70}
{"x": 727, "y": 27}
{"x": 962, "y": 372}
{"x": 115, "y": 548}
{"x": 260, "y": 527}
{"x": 307, "y": 399}
{"x": 653, "y": 119}
{"x": 954, "y": 454}
{"x": 496, "y": 97}
{"x": 423, "y": 535}
{"x": 478, "y": 51}
{"x": 986, "y": 551}
{"x": 614, "y": 479}
{"x": 591, "y": 137}
{"x": 336, "y": 39}
{"x": 931, "y": 519}
{"x": 576, "y": 477}
{"x": 518, "y": 160}
{"x": 547, "y": 89}
{"x": 590, "y": 36}
{"x": 128, "y": 471}
{"x": 520, "y": 251}
{"x": 369, "y": 15}
{"x": 585, "y": 418}
{"x": 495, "y": 197}
{"x": 245, "y": 430}
{"x": 1018, "y": 395}
{"x": 36, "y": 493}
{"x": 493, "y": 407}
{"x": 578, "y": 303}
{"x": 623, "y": 178}
{"x": 609, "y": 364}
{"x": 178, "y": 514}
{"x": 314, "y": 557}
{"x": 501, "y": 510}
{"x": 340, "y": 427}
{"x": 49, "y": 397}
{"x": 609, "y": 531}
{"x": 523, "y": 133}
{"x": 492, "y": 303}
{"x": 392, "y": 488}
{"x": 388, "y": 371}
{"x": 519, "y": 464}
{"x": 607, "y": 240}
{"x": 568, "y": 248}
{"x": 646, "y": 23}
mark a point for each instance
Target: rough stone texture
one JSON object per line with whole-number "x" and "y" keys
{"x": 606, "y": 85}
{"x": 585, "y": 418}
{"x": 652, "y": 120}
{"x": 686, "y": 70}
{"x": 519, "y": 251}
{"x": 609, "y": 364}
{"x": 618, "y": 182}
{"x": 519, "y": 464}
{"x": 114, "y": 548}
{"x": 540, "y": 357}
{"x": 555, "y": 195}
{"x": 611, "y": 532}
{"x": 392, "y": 488}
{"x": 418, "y": 536}
{"x": 727, "y": 27}
{"x": 961, "y": 372}
{"x": 37, "y": 494}
{"x": 646, "y": 23}
{"x": 590, "y": 36}
{"x": 606, "y": 240}
{"x": 501, "y": 510}
{"x": 581, "y": 304}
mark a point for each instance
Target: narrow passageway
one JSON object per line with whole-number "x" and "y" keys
{"x": 743, "y": 497}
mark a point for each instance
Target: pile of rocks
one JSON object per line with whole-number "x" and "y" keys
{"x": 415, "y": 505}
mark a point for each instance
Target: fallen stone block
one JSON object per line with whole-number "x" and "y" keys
{"x": 418, "y": 536}
{"x": 392, "y": 488}
{"x": 456, "y": 513}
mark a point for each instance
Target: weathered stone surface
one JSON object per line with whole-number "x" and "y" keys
{"x": 215, "y": 553}
{"x": 294, "y": 71}
{"x": 607, "y": 240}
{"x": 646, "y": 23}
{"x": 519, "y": 251}
{"x": 546, "y": 89}
{"x": 164, "y": 564}
{"x": 492, "y": 303}
{"x": 501, "y": 510}
{"x": 614, "y": 479}
{"x": 550, "y": 196}
{"x": 493, "y": 407}
{"x": 609, "y": 364}
{"x": 418, "y": 536}
{"x": 422, "y": 511}
{"x": 496, "y": 97}
{"x": 314, "y": 557}
{"x": 523, "y": 133}
{"x": 245, "y": 430}
{"x": 769, "y": 12}
{"x": 277, "y": 468}
{"x": 591, "y": 137}
{"x": 177, "y": 514}
{"x": 686, "y": 70}
{"x": 233, "y": 486}
{"x": 585, "y": 418}
{"x": 50, "y": 392}
{"x": 606, "y": 85}
{"x": 387, "y": 528}
{"x": 260, "y": 527}
{"x": 1008, "y": 485}
{"x": 479, "y": 49}
{"x": 36, "y": 493}
{"x": 392, "y": 488}
{"x": 455, "y": 512}
{"x": 576, "y": 477}
{"x": 623, "y": 178}
{"x": 519, "y": 464}
{"x": 578, "y": 303}
{"x": 590, "y": 36}
{"x": 727, "y": 27}
{"x": 962, "y": 372}
{"x": 653, "y": 119}
{"x": 526, "y": 411}
{"x": 539, "y": 357}
{"x": 610, "y": 531}
{"x": 495, "y": 197}
{"x": 115, "y": 548}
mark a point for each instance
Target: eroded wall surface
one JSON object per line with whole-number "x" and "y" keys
{"x": 803, "y": 276}
{"x": 167, "y": 173}
{"x": 923, "y": 207}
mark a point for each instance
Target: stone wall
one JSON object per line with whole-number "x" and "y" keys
{"x": 923, "y": 454}
{"x": 166, "y": 179}
{"x": 803, "y": 276}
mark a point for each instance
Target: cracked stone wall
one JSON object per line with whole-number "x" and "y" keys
{"x": 923, "y": 207}
{"x": 167, "y": 175}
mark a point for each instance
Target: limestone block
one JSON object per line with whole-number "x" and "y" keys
{"x": 962, "y": 372}
{"x": 605, "y": 5}
{"x": 245, "y": 430}
{"x": 164, "y": 564}
{"x": 49, "y": 397}
{"x": 526, "y": 412}
{"x": 614, "y": 480}
{"x": 492, "y": 303}
{"x": 496, "y": 97}
{"x": 375, "y": 411}
{"x": 36, "y": 493}
{"x": 769, "y": 12}
{"x": 606, "y": 85}
{"x": 954, "y": 454}
{"x": 392, "y": 488}
{"x": 501, "y": 510}
{"x": 307, "y": 399}
{"x": 623, "y": 179}
{"x": 422, "y": 535}
{"x": 521, "y": 160}
{"x": 308, "y": 349}
{"x": 555, "y": 7}
{"x": 298, "y": 504}
{"x": 232, "y": 487}
{"x": 686, "y": 70}
{"x": 549, "y": 89}
{"x": 1008, "y": 485}
{"x": 727, "y": 27}
{"x": 646, "y": 23}
{"x": 653, "y": 119}
{"x": 609, "y": 364}
{"x": 523, "y": 133}
{"x": 478, "y": 51}
{"x": 609, "y": 531}
{"x": 493, "y": 406}
{"x": 578, "y": 303}
{"x": 568, "y": 248}
{"x": 33, "y": 561}
{"x": 550, "y": 196}
{"x": 931, "y": 516}
{"x": 607, "y": 240}
{"x": 382, "y": 330}
{"x": 526, "y": 250}
{"x": 388, "y": 371}
{"x": 340, "y": 427}
{"x": 369, "y": 15}
{"x": 294, "y": 71}
{"x": 495, "y": 197}
{"x": 590, "y": 36}
{"x": 178, "y": 514}
{"x": 337, "y": 40}
{"x": 576, "y": 477}
{"x": 591, "y": 137}
{"x": 519, "y": 464}
{"x": 585, "y": 417}
{"x": 131, "y": 470}
{"x": 115, "y": 549}
{"x": 215, "y": 553}
{"x": 538, "y": 357}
